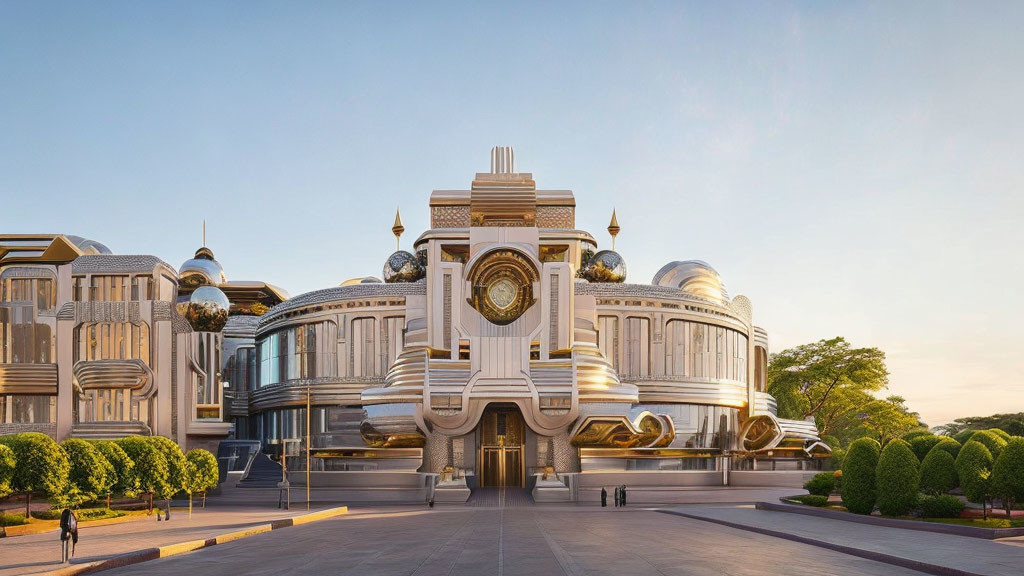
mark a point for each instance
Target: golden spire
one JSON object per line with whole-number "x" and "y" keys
{"x": 397, "y": 229}
{"x": 613, "y": 228}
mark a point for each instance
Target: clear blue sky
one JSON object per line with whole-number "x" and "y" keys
{"x": 855, "y": 169}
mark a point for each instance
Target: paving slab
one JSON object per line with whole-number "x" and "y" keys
{"x": 945, "y": 553}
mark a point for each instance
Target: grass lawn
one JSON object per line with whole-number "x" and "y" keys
{"x": 977, "y": 522}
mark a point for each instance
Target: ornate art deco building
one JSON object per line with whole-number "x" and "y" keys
{"x": 504, "y": 349}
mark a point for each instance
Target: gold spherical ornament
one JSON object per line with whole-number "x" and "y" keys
{"x": 605, "y": 266}
{"x": 206, "y": 309}
{"x": 403, "y": 267}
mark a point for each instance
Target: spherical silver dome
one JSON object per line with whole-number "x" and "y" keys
{"x": 206, "y": 310}
{"x": 202, "y": 270}
{"x": 694, "y": 277}
{"x": 605, "y": 266}
{"x": 403, "y": 267}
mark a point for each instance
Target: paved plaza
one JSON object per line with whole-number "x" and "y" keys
{"x": 534, "y": 541}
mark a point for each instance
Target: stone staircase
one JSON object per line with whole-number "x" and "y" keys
{"x": 264, "y": 473}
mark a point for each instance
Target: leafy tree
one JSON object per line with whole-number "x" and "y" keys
{"x": 150, "y": 465}
{"x": 859, "y": 481}
{"x": 938, "y": 472}
{"x": 897, "y": 478}
{"x": 883, "y": 419}
{"x": 826, "y": 379}
{"x": 1008, "y": 474}
{"x": 201, "y": 474}
{"x": 923, "y": 444}
{"x": 125, "y": 480}
{"x": 1012, "y": 424}
{"x": 42, "y": 466}
{"x": 177, "y": 467}
{"x": 974, "y": 468}
{"x": 7, "y": 464}
{"x": 994, "y": 442}
{"x": 90, "y": 471}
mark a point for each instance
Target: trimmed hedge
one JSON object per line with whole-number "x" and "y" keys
{"x": 938, "y": 473}
{"x": 909, "y": 436}
{"x": 994, "y": 442}
{"x": 923, "y": 444}
{"x": 811, "y": 500}
{"x": 941, "y": 506}
{"x": 859, "y": 475}
{"x": 42, "y": 466}
{"x": 896, "y": 479}
{"x": 90, "y": 471}
{"x": 125, "y": 480}
{"x": 1001, "y": 433}
{"x": 821, "y": 484}
{"x": 949, "y": 445}
{"x": 974, "y": 467}
{"x": 150, "y": 465}
{"x": 177, "y": 467}
{"x": 1008, "y": 474}
{"x": 963, "y": 436}
{"x": 7, "y": 465}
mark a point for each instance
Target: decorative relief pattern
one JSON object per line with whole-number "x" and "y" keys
{"x": 553, "y": 312}
{"x": 447, "y": 296}
{"x": 449, "y": 216}
{"x": 556, "y": 217}
{"x": 106, "y": 312}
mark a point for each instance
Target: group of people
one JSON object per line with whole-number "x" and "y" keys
{"x": 620, "y": 496}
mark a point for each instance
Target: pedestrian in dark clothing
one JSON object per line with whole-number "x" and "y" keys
{"x": 617, "y": 497}
{"x": 604, "y": 497}
{"x": 623, "y": 494}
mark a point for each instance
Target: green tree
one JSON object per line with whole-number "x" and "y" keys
{"x": 859, "y": 481}
{"x": 974, "y": 468}
{"x": 150, "y": 465}
{"x": 1012, "y": 424}
{"x": 949, "y": 445}
{"x": 42, "y": 466}
{"x": 883, "y": 419}
{"x": 993, "y": 441}
{"x": 827, "y": 380}
{"x": 938, "y": 472}
{"x": 177, "y": 467}
{"x": 90, "y": 471}
{"x": 125, "y": 480}
{"x": 7, "y": 465}
{"x": 896, "y": 479}
{"x": 201, "y": 474}
{"x": 1008, "y": 474}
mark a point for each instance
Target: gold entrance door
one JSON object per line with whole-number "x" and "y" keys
{"x": 501, "y": 448}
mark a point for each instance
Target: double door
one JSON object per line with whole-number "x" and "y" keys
{"x": 501, "y": 448}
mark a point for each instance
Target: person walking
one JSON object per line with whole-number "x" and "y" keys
{"x": 623, "y": 496}
{"x": 617, "y": 497}
{"x": 604, "y": 497}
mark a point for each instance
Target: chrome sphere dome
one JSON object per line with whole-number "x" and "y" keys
{"x": 403, "y": 267}
{"x": 206, "y": 309}
{"x": 203, "y": 269}
{"x": 605, "y": 266}
{"x": 694, "y": 277}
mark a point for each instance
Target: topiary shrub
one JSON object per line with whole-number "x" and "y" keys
{"x": 42, "y": 466}
{"x": 811, "y": 500}
{"x": 941, "y": 506}
{"x": 1008, "y": 474}
{"x": 125, "y": 480}
{"x": 835, "y": 460}
{"x": 896, "y": 479}
{"x": 1001, "y": 433}
{"x": 150, "y": 465}
{"x": 974, "y": 468}
{"x": 859, "y": 475}
{"x": 963, "y": 436}
{"x": 177, "y": 467}
{"x": 949, "y": 445}
{"x": 938, "y": 473}
{"x": 923, "y": 444}
{"x": 821, "y": 484}
{"x": 201, "y": 474}
{"x": 7, "y": 465}
{"x": 991, "y": 440}
{"x": 909, "y": 436}
{"x": 90, "y": 471}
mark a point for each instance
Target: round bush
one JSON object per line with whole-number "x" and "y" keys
{"x": 991, "y": 440}
{"x": 1008, "y": 473}
{"x": 949, "y": 445}
{"x": 125, "y": 481}
{"x": 974, "y": 467}
{"x": 1001, "y": 433}
{"x": 923, "y": 444}
{"x": 42, "y": 465}
{"x": 835, "y": 460}
{"x": 941, "y": 506}
{"x": 938, "y": 473}
{"x": 909, "y": 436}
{"x": 177, "y": 467}
{"x": 150, "y": 465}
{"x": 90, "y": 471}
{"x": 821, "y": 484}
{"x": 963, "y": 436}
{"x": 812, "y": 500}
{"x": 896, "y": 479}
{"x": 7, "y": 464}
{"x": 859, "y": 475}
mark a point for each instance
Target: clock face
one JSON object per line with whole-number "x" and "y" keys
{"x": 502, "y": 293}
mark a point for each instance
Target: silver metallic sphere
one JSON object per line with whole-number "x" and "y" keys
{"x": 206, "y": 310}
{"x": 202, "y": 270}
{"x": 403, "y": 267}
{"x": 605, "y": 266}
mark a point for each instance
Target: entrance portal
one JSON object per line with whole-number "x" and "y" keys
{"x": 501, "y": 447}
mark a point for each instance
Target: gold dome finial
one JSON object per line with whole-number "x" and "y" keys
{"x": 613, "y": 228}
{"x": 397, "y": 229}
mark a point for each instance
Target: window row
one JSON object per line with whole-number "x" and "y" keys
{"x": 37, "y": 291}
{"x": 300, "y": 352}
{"x": 22, "y": 339}
{"x": 112, "y": 341}
{"x": 25, "y": 409}
{"x": 119, "y": 288}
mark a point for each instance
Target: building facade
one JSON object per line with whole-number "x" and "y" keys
{"x": 504, "y": 349}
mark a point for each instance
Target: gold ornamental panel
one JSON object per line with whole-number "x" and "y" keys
{"x": 646, "y": 431}
{"x": 502, "y": 286}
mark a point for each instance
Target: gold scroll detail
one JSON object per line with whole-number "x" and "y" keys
{"x": 647, "y": 430}
{"x": 379, "y": 439}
